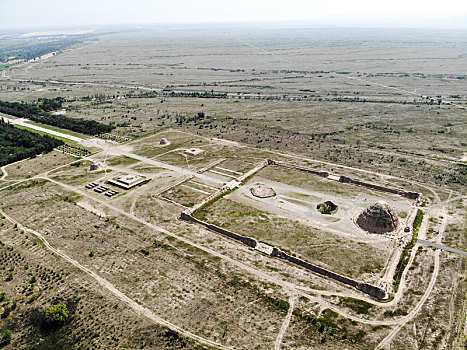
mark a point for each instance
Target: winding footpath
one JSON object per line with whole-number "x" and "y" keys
{"x": 290, "y": 288}
{"x": 112, "y": 289}
{"x": 387, "y": 340}
{"x": 285, "y": 324}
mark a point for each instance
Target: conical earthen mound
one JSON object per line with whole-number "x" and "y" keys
{"x": 378, "y": 218}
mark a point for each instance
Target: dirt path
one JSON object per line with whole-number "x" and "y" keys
{"x": 386, "y": 341}
{"x": 285, "y": 324}
{"x": 4, "y": 172}
{"x": 422, "y": 233}
{"x": 292, "y": 288}
{"x": 141, "y": 310}
{"x": 45, "y": 130}
{"x": 299, "y": 289}
{"x": 288, "y": 286}
{"x": 133, "y": 205}
{"x": 400, "y": 242}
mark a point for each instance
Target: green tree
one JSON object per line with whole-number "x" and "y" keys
{"x": 57, "y": 314}
{"x": 6, "y": 337}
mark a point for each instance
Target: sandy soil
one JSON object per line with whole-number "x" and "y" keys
{"x": 89, "y": 207}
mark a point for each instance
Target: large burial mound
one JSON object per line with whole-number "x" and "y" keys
{"x": 378, "y": 218}
{"x": 262, "y": 191}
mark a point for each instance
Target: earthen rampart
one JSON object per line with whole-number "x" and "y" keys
{"x": 345, "y": 179}
{"x": 406, "y": 194}
{"x": 253, "y": 171}
{"x": 314, "y": 172}
{"x": 251, "y": 242}
{"x": 366, "y": 288}
{"x": 369, "y": 289}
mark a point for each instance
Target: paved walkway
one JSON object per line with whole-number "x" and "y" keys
{"x": 441, "y": 246}
{"x": 105, "y": 146}
{"x": 22, "y": 122}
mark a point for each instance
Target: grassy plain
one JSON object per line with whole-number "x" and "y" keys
{"x": 347, "y": 101}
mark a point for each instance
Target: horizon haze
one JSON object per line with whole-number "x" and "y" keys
{"x": 27, "y": 14}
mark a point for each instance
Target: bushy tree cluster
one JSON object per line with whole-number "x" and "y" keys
{"x": 31, "y": 49}
{"x": 17, "y": 144}
{"x": 57, "y": 314}
{"x": 195, "y": 119}
{"x": 40, "y": 113}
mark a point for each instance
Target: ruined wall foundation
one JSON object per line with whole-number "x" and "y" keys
{"x": 373, "y": 291}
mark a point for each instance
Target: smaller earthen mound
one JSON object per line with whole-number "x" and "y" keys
{"x": 163, "y": 142}
{"x": 327, "y": 208}
{"x": 378, "y": 218}
{"x": 94, "y": 167}
{"x": 262, "y": 191}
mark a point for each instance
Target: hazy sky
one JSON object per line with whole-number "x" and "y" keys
{"x": 49, "y": 13}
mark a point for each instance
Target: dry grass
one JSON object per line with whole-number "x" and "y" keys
{"x": 317, "y": 246}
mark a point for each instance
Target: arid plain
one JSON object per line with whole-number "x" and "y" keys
{"x": 238, "y": 137}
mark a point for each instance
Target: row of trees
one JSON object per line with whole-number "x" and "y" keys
{"x": 40, "y": 112}
{"x": 31, "y": 49}
{"x": 17, "y": 144}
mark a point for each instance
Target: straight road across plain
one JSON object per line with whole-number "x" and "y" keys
{"x": 441, "y": 246}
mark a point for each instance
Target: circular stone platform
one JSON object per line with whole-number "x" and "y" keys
{"x": 327, "y": 208}
{"x": 262, "y": 191}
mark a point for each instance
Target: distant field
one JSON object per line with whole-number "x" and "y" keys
{"x": 386, "y": 106}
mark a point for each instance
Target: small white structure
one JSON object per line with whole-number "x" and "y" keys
{"x": 127, "y": 181}
{"x": 193, "y": 151}
{"x": 60, "y": 112}
{"x": 264, "y": 248}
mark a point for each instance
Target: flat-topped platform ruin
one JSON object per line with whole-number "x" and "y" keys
{"x": 127, "y": 181}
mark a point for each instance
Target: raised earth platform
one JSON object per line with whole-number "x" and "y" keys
{"x": 262, "y": 191}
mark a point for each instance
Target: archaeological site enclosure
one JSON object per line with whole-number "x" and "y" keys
{"x": 263, "y": 189}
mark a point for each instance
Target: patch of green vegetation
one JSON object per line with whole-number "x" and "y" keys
{"x": 27, "y": 49}
{"x": 396, "y": 312}
{"x": 293, "y": 237}
{"x": 405, "y": 256}
{"x": 176, "y": 340}
{"x": 281, "y": 304}
{"x": 418, "y": 220}
{"x": 357, "y": 305}
{"x": 145, "y": 252}
{"x": 5, "y": 338}
{"x": 40, "y": 112}
{"x": 57, "y": 314}
{"x": 17, "y": 144}
{"x": 159, "y": 244}
{"x": 330, "y": 325}
{"x": 201, "y": 213}
{"x": 71, "y": 198}
{"x": 28, "y": 184}
{"x": 122, "y": 160}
